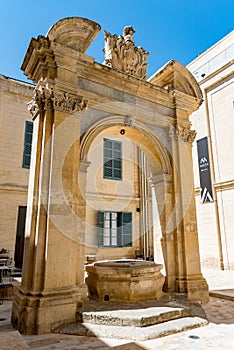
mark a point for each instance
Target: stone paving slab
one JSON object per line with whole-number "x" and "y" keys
{"x": 12, "y": 340}
{"x": 212, "y": 336}
{"x": 223, "y": 293}
{"x": 71, "y": 342}
{"x": 134, "y": 333}
{"x": 137, "y": 317}
{"x": 220, "y": 311}
{"x": 129, "y": 346}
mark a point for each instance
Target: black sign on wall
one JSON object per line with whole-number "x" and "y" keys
{"x": 204, "y": 171}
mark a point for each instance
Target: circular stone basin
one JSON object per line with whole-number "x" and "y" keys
{"x": 124, "y": 280}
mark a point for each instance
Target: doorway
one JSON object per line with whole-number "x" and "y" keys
{"x": 19, "y": 243}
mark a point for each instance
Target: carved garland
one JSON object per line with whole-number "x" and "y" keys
{"x": 46, "y": 98}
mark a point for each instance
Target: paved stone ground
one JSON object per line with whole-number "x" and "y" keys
{"x": 219, "y": 334}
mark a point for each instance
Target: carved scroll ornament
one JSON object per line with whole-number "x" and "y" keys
{"x": 122, "y": 54}
{"x": 46, "y": 98}
{"x": 69, "y": 103}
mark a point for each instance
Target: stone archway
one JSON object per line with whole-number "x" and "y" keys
{"x": 137, "y": 141}
{"x": 76, "y": 96}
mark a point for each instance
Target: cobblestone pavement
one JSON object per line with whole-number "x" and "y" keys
{"x": 218, "y": 334}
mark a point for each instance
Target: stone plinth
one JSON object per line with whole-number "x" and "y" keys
{"x": 124, "y": 280}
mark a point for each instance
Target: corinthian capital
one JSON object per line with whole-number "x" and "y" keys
{"x": 47, "y": 98}
{"x": 181, "y": 133}
{"x": 42, "y": 100}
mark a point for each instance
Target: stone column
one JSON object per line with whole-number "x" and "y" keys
{"x": 26, "y": 301}
{"x": 53, "y": 271}
{"x": 188, "y": 270}
{"x": 81, "y": 209}
{"x": 163, "y": 187}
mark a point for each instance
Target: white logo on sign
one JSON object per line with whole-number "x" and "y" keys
{"x": 203, "y": 160}
{"x": 206, "y": 196}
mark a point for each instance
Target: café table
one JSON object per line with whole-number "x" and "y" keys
{"x": 2, "y": 268}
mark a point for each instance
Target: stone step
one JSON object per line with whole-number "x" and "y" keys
{"x": 134, "y": 317}
{"x": 134, "y": 333}
{"x": 227, "y": 294}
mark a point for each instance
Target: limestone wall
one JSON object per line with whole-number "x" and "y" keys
{"x": 112, "y": 195}
{"x": 214, "y": 119}
{"x": 14, "y": 96}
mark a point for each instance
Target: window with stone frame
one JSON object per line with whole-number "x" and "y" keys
{"x": 112, "y": 165}
{"x": 114, "y": 229}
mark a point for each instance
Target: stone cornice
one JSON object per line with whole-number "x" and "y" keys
{"x": 13, "y": 188}
{"x": 175, "y": 76}
{"x": 46, "y": 59}
{"x": 39, "y": 62}
{"x": 111, "y": 196}
{"x": 219, "y": 186}
{"x": 160, "y": 179}
{"x": 186, "y": 102}
{"x": 13, "y": 86}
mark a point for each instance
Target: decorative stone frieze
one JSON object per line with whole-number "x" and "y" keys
{"x": 46, "y": 98}
{"x": 67, "y": 102}
{"x": 181, "y": 133}
{"x": 122, "y": 54}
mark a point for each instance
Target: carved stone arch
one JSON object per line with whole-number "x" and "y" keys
{"x": 160, "y": 177}
{"x": 149, "y": 142}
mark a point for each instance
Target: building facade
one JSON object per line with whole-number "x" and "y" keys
{"x": 15, "y": 149}
{"x": 118, "y": 192}
{"x": 213, "y": 153}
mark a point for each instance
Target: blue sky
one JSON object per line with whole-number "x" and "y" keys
{"x": 172, "y": 29}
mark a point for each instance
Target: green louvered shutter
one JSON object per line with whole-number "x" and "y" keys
{"x": 100, "y": 228}
{"x": 27, "y": 144}
{"x": 112, "y": 168}
{"x": 127, "y": 229}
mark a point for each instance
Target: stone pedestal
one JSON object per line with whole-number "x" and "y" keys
{"x": 42, "y": 313}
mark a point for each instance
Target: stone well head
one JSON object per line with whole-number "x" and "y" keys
{"x": 124, "y": 280}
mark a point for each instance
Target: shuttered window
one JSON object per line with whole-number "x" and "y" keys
{"x": 112, "y": 168}
{"x": 126, "y": 226}
{"x": 114, "y": 229}
{"x": 27, "y": 144}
